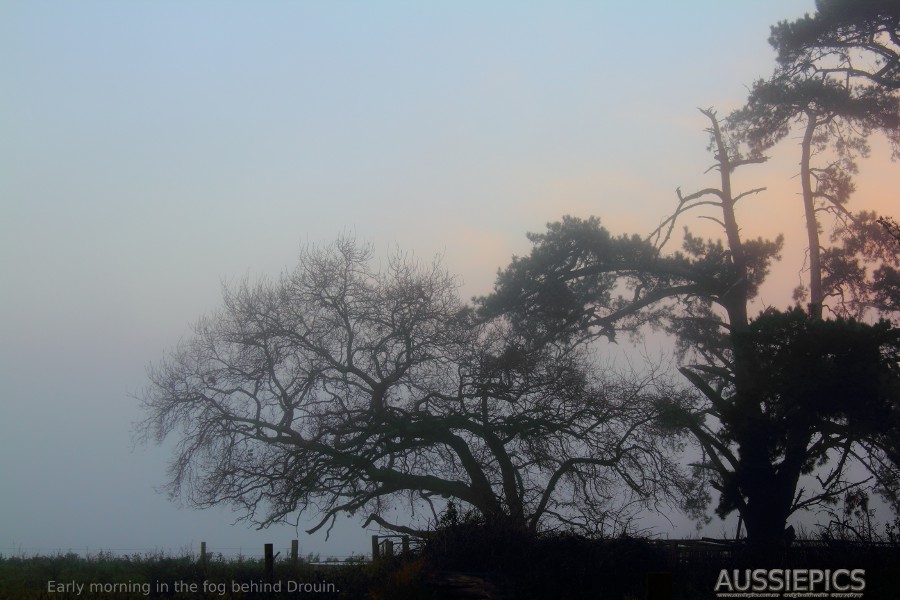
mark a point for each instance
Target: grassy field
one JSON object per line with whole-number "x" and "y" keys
{"x": 499, "y": 563}
{"x": 69, "y": 576}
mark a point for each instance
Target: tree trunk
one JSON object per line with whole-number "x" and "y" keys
{"x": 765, "y": 519}
{"x": 816, "y": 295}
{"x": 768, "y": 494}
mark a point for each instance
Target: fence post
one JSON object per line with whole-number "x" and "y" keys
{"x": 405, "y": 541}
{"x": 389, "y": 548}
{"x": 270, "y": 563}
{"x": 374, "y": 547}
{"x": 295, "y": 551}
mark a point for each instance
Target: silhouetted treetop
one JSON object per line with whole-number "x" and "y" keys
{"x": 848, "y": 39}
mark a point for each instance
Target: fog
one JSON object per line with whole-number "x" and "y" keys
{"x": 151, "y": 151}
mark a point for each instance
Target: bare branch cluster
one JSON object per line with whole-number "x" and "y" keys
{"x": 343, "y": 389}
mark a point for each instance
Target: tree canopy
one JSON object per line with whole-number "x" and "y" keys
{"x": 848, "y": 39}
{"x": 835, "y": 120}
{"x": 345, "y": 389}
{"x": 788, "y": 401}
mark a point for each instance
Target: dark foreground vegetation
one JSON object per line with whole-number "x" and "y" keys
{"x": 572, "y": 566}
{"x": 466, "y": 560}
{"x": 162, "y": 576}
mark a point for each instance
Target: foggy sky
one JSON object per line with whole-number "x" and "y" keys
{"x": 151, "y": 151}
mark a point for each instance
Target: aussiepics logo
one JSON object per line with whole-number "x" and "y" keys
{"x": 791, "y": 583}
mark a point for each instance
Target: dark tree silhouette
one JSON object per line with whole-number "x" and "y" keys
{"x": 862, "y": 267}
{"x": 828, "y": 393}
{"x": 890, "y": 226}
{"x": 837, "y": 82}
{"x": 836, "y": 122}
{"x": 343, "y": 389}
{"x": 762, "y": 424}
{"x": 844, "y": 39}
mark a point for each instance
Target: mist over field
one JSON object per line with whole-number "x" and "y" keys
{"x": 153, "y": 153}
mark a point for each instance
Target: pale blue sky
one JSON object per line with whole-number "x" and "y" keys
{"x": 149, "y": 150}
